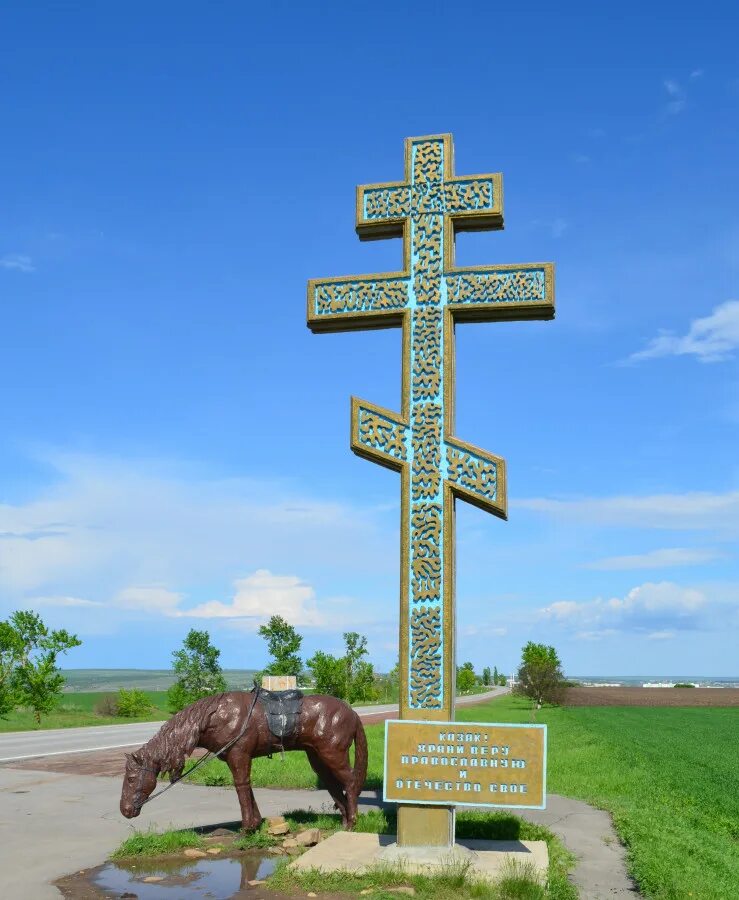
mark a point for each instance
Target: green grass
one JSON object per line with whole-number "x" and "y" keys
{"x": 451, "y": 883}
{"x": 152, "y": 843}
{"x": 78, "y": 709}
{"x": 668, "y": 776}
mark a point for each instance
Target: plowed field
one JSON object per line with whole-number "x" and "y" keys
{"x": 636, "y": 696}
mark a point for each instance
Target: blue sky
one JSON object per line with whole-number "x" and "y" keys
{"x": 174, "y": 446}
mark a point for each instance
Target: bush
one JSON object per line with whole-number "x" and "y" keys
{"x": 132, "y": 703}
{"x": 107, "y": 705}
{"x": 683, "y": 684}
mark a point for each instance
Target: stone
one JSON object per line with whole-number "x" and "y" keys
{"x": 279, "y": 682}
{"x": 308, "y": 838}
{"x": 403, "y": 889}
{"x": 311, "y": 894}
{"x": 278, "y": 829}
{"x": 256, "y": 882}
{"x": 214, "y": 851}
{"x": 366, "y": 891}
{"x": 274, "y": 820}
{"x": 276, "y": 851}
{"x": 152, "y": 879}
{"x": 290, "y": 843}
{"x": 192, "y": 853}
{"x": 347, "y": 851}
{"x": 221, "y": 832}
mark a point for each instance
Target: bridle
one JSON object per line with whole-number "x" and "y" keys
{"x": 138, "y": 792}
{"x": 139, "y": 803}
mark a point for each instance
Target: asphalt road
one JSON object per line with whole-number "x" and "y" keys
{"x": 17, "y": 745}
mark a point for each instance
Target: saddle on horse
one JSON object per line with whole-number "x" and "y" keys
{"x": 282, "y": 709}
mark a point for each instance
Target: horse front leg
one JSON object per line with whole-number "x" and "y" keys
{"x": 239, "y": 762}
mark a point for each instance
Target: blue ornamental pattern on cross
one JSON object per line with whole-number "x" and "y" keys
{"x": 425, "y": 300}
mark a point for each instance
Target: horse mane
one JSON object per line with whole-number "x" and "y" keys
{"x": 177, "y": 738}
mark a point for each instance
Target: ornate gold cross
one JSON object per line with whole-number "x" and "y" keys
{"x": 426, "y": 299}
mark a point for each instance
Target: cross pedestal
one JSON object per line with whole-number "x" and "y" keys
{"x": 426, "y": 300}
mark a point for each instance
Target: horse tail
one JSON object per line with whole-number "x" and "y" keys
{"x": 360, "y": 757}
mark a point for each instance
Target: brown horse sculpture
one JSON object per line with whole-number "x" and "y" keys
{"x": 325, "y": 729}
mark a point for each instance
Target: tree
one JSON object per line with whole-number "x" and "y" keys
{"x": 197, "y": 669}
{"x": 329, "y": 674}
{"x": 486, "y": 676}
{"x": 495, "y": 675}
{"x": 466, "y": 678}
{"x": 283, "y": 643}
{"x": 11, "y": 649}
{"x": 540, "y": 675}
{"x": 30, "y": 656}
{"x": 360, "y": 673}
{"x": 350, "y": 677}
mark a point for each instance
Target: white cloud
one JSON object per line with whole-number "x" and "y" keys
{"x": 483, "y": 631}
{"x": 62, "y": 601}
{"x": 656, "y": 559}
{"x": 16, "y": 261}
{"x": 713, "y": 338}
{"x": 676, "y": 102}
{"x": 661, "y": 635}
{"x": 652, "y": 608}
{"x": 149, "y": 599}
{"x": 696, "y": 510}
{"x": 105, "y": 525}
{"x": 261, "y": 595}
{"x": 696, "y": 73}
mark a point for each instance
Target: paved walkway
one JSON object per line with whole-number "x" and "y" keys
{"x": 53, "y": 824}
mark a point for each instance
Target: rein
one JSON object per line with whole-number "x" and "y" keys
{"x": 208, "y": 755}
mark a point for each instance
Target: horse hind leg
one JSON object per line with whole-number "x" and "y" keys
{"x": 342, "y": 777}
{"x": 333, "y": 785}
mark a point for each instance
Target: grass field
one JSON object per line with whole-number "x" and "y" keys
{"x": 669, "y": 776}
{"x": 106, "y": 680}
{"x": 78, "y": 709}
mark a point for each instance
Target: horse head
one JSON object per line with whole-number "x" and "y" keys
{"x": 138, "y": 783}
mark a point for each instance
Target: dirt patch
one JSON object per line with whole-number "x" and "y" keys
{"x": 636, "y": 696}
{"x": 95, "y": 762}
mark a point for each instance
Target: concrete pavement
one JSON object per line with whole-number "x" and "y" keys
{"x": 16, "y": 745}
{"x": 52, "y": 824}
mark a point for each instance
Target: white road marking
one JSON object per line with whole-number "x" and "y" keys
{"x": 65, "y": 752}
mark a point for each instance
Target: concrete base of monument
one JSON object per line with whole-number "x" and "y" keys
{"x": 348, "y": 851}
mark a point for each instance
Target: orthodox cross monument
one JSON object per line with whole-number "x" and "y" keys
{"x": 426, "y": 300}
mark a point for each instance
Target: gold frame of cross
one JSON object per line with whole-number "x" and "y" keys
{"x": 425, "y": 300}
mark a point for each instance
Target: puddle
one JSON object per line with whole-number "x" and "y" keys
{"x": 215, "y": 879}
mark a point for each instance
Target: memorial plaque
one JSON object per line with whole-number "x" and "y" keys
{"x": 465, "y": 763}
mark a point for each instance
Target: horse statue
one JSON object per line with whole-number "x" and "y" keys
{"x": 235, "y": 724}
